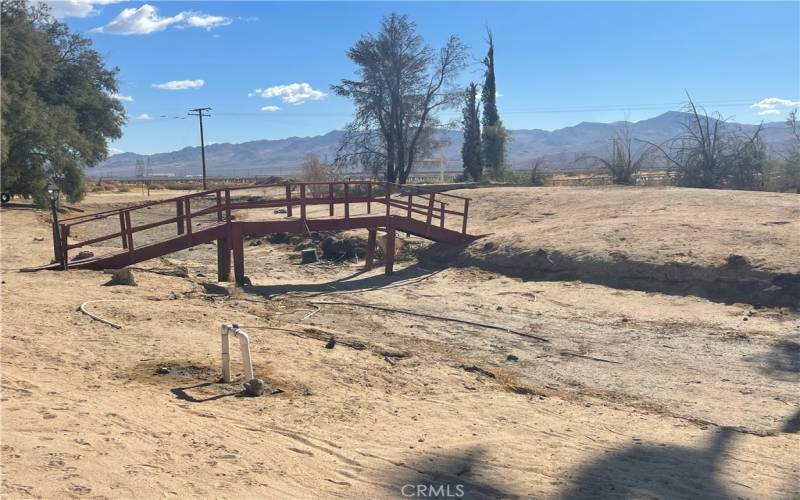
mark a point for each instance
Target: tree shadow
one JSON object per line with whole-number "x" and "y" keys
{"x": 662, "y": 471}
{"x": 783, "y": 360}
{"x": 347, "y": 283}
{"x": 457, "y": 475}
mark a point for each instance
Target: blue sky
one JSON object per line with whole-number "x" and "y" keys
{"x": 557, "y": 63}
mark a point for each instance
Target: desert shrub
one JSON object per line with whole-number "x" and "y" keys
{"x": 711, "y": 154}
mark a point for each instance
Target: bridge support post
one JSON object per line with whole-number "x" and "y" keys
{"x": 223, "y": 259}
{"x": 237, "y": 242}
{"x": 372, "y": 240}
{"x": 390, "y": 248}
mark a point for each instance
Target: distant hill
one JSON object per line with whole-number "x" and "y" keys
{"x": 284, "y": 156}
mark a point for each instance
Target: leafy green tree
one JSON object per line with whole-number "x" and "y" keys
{"x": 471, "y": 149}
{"x": 403, "y": 84}
{"x": 494, "y": 134}
{"x": 58, "y": 104}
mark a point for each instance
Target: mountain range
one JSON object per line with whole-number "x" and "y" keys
{"x": 284, "y": 156}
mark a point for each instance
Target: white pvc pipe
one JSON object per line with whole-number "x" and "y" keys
{"x": 244, "y": 344}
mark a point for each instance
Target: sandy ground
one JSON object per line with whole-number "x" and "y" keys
{"x": 579, "y": 390}
{"x": 657, "y": 225}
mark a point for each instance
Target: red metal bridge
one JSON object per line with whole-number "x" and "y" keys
{"x": 227, "y": 215}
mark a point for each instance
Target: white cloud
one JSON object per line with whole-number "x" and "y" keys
{"x": 119, "y": 97}
{"x": 145, "y": 20}
{"x": 771, "y": 105}
{"x": 179, "y": 85}
{"x": 205, "y": 21}
{"x": 143, "y": 116}
{"x": 76, "y": 8}
{"x": 270, "y": 109}
{"x": 293, "y": 93}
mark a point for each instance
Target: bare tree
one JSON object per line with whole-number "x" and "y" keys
{"x": 711, "y": 154}
{"x": 698, "y": 153}
{"x": 313, "y": 170}
{"x": 537, "y": 176}
{"x": 403, "y": 84}
{"x": 790, "y": 169}
{"x": 746, "y": 161}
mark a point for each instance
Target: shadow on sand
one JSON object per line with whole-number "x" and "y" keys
{"x": 180, "y": 393}
{"x": 455, "y": 475}
{"x": 675, "y": 471}
{"x": 351, "y": 283}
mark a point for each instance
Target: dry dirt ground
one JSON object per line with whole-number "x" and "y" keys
{"x": 532, "y": 388}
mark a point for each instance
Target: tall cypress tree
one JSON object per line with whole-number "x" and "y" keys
{"x": 471, "y": 149}
{"x": 494, "y": 134}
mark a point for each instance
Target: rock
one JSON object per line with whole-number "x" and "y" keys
{"x": 38, "y": 238}
{"x": 254, "y": 387}
{"x": 335, "y": 248}
{"x": 278, "y": 238}
{"x": 331, "y": 343}
{"x": 83, "y": 254}
{"x": 162, "y": 370}
{"x": 511, "y": 357}
{"x": 279, "y": 211}
{"x": 308, "y": 255}
{"x": 122, "y": 277}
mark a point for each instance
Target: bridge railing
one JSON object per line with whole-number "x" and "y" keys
{"x": 298, "y": 199}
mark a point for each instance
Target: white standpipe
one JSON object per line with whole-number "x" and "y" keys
{"x": 244, "y": 343}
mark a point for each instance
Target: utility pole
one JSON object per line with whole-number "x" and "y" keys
{"x": 200, "y": 113}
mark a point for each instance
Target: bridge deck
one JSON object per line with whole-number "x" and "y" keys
{"x": 219, "y": 217}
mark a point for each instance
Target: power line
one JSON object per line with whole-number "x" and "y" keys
{"x": 511, "y": 111}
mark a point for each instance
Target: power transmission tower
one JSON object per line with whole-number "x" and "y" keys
{"x": 200, "y": 113}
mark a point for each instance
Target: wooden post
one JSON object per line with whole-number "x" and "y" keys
{"x": 122, "y": 230}
{"x": 64, "y": 244}
{"x": 430, "y": 208}
{"x": 369, "y": 197}
{"x": 129, "y": 232}
{"x": 303, "y": 201}
{"x": 288, "y": 199}
{"x": 441, "y": 213}
{"x": 219, "y": 206}
{"x": 224, "y": 247}
{"x": 390, "y": 242}
{"x": 223, "y": 259}
{"x": 238, "y": 255}
{"x": 410, "y": 202}
{"x": 228, "y": 206}
{"x": 188, "y": 217}
{"x": 330, "y": 196}
{"x": 179, "y": 215}
{"x": 388, "y": 189}
{"x": 372, "y": 240}
{"x": 346, "y": 200}
{"x": 466, "y": 212}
